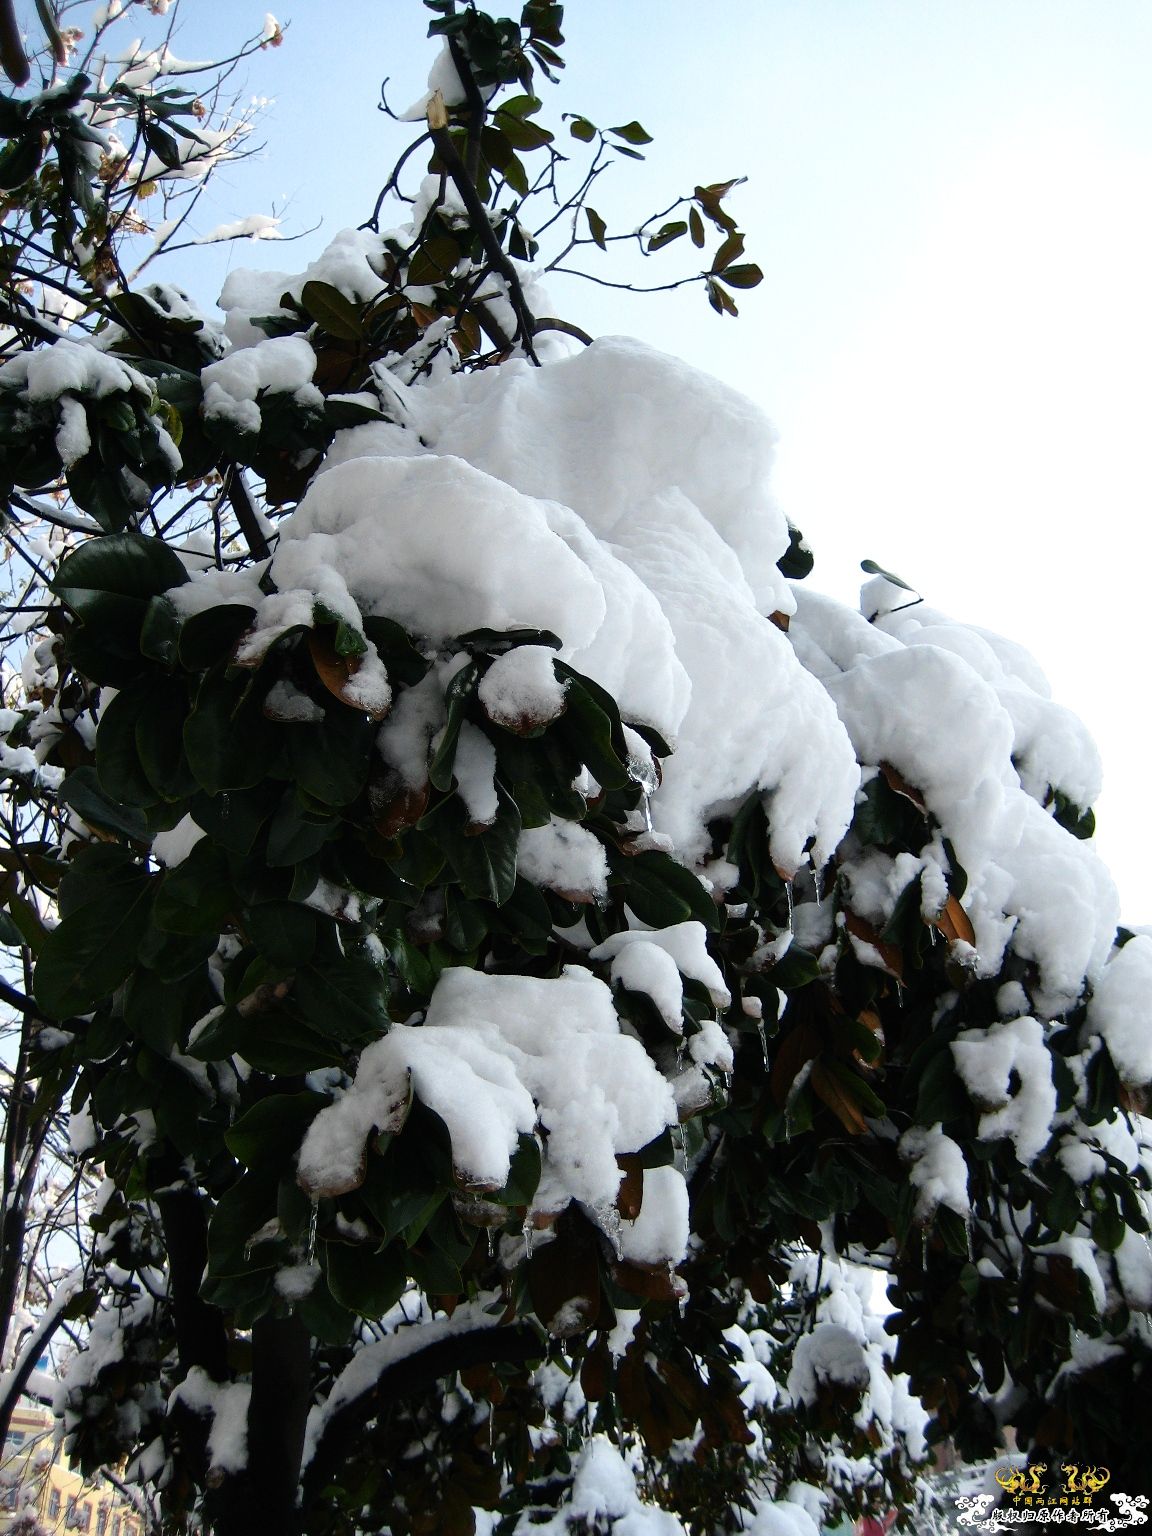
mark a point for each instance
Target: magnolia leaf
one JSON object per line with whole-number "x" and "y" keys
{"x": 596, "y": 226}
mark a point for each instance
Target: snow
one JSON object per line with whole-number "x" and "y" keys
{"x": 439, "y": 547}
{"x": 521, "y": 689}
{"x": 604, "y": 1496}
{"x": 70, "y": 366}
{"x": 370, "y": 1362}
{"x": 1119, "y": 1010}
{"x": 278, "y": 365}
{"x": 780, "y": 1519}
{"x": 287, "y": 703}
{"x": 937, "y": 1171}
{"x": 685, "y": 943}
{"x": 925, "y": 711}
{"x": 173, "y": 847}
{"x": 566, "y": 858}
{"x": 474, "y": 769}
{"x": 442, "y": 77}
{"x": 227, "y": 1403}
{"x": 647, "y": 968}
{"x": 495, "y": 1057}
{"x": 987, "y": 1060}
{"x": 255, "y": 226}
{"x": 659, "y": 1233}
{"x": 829, "y": 1354}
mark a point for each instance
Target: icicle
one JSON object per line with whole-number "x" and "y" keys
{"x": 609, "y": 1219}
{"x": 491, "y": 1234}
{"x": 313, "y": 1217}
{"x": 968, "y": 1237}
{"x": 791, "y": 907}
{"x": 818, "y": 885}
{"x": 644, "y": 773}
{"x": 678, "y": 1147}
{"x": 526, "y": 1233}
{"x": 924, "y": 1248}
{"x": 763, "y": 1033}
{"x": 680, "y": 1057}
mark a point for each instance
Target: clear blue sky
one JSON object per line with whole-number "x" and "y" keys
{"x": 950, "y": 202}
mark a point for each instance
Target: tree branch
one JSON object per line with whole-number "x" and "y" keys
{"x": 516, "y": 1343}
{"x": 501, "y": 263}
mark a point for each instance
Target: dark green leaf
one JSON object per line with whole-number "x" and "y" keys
{"x": 94, "y": 948}
{"x": 285, "y": 931}
{"x": 83, "y": 793}
{"x": 196, "y": 896}
{"x": 160, "y": 631}
{"x": 661, "y": 892}
{"x": 366, "y": 1282}
{"x": 458, "y": 695}
{"x": 667, "y": 233}
{"x": 330, "y": 759}
{"x": 272, "y": 1130}
{"x": 206, "y": 638}
{"x": 228, "y": 742}
{"x": 345, "y": 999}
{"x": 483, "y": 862}
{"x": 128, "y": 564}
{"x": 118, "y": 766}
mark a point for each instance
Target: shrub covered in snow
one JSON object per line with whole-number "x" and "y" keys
{"x": 526, "y": 963}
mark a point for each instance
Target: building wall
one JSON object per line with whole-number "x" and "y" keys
{"x": 35, "y": 1474}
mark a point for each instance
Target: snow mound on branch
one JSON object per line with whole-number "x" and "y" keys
{"x": 351, "y": 263}
{"x": 937, "y": 1171}
{"x": 566, "y": 858}
{"x": 617, "y": 498}
{"x": 926, "y": 711}
{"x": 610, "y": 428}
{"x": 780, "y": 1519}
{"x": 1051, "y": 747}
{"x": 829, "y": 1354}
{"x": 281, "y": 365}
{"x": 439, "y": 547}
{"x": 604, "y": 1495}
{"x": 1119, "y": 1010}
{"x": 988, "y": 1061}
{"x": 522, "y": 687}
{"x": 496, "y": 1057}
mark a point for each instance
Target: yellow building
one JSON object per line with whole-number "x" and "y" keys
{"x": 36, "y": 1477}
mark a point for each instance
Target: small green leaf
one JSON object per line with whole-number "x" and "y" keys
{"x": 727, "y": 252}
{"x": 746, "y": 275}
{"x": 873, "y": 569}
{"x": 632, "y": 133}
{"x": 580, "y": 128}
{"x": 667, "y": 233}
{"x": 332, "y": 311}
{"x": 596, "y": 227}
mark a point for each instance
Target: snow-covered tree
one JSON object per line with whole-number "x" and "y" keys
{"x": 525, "y": 970}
